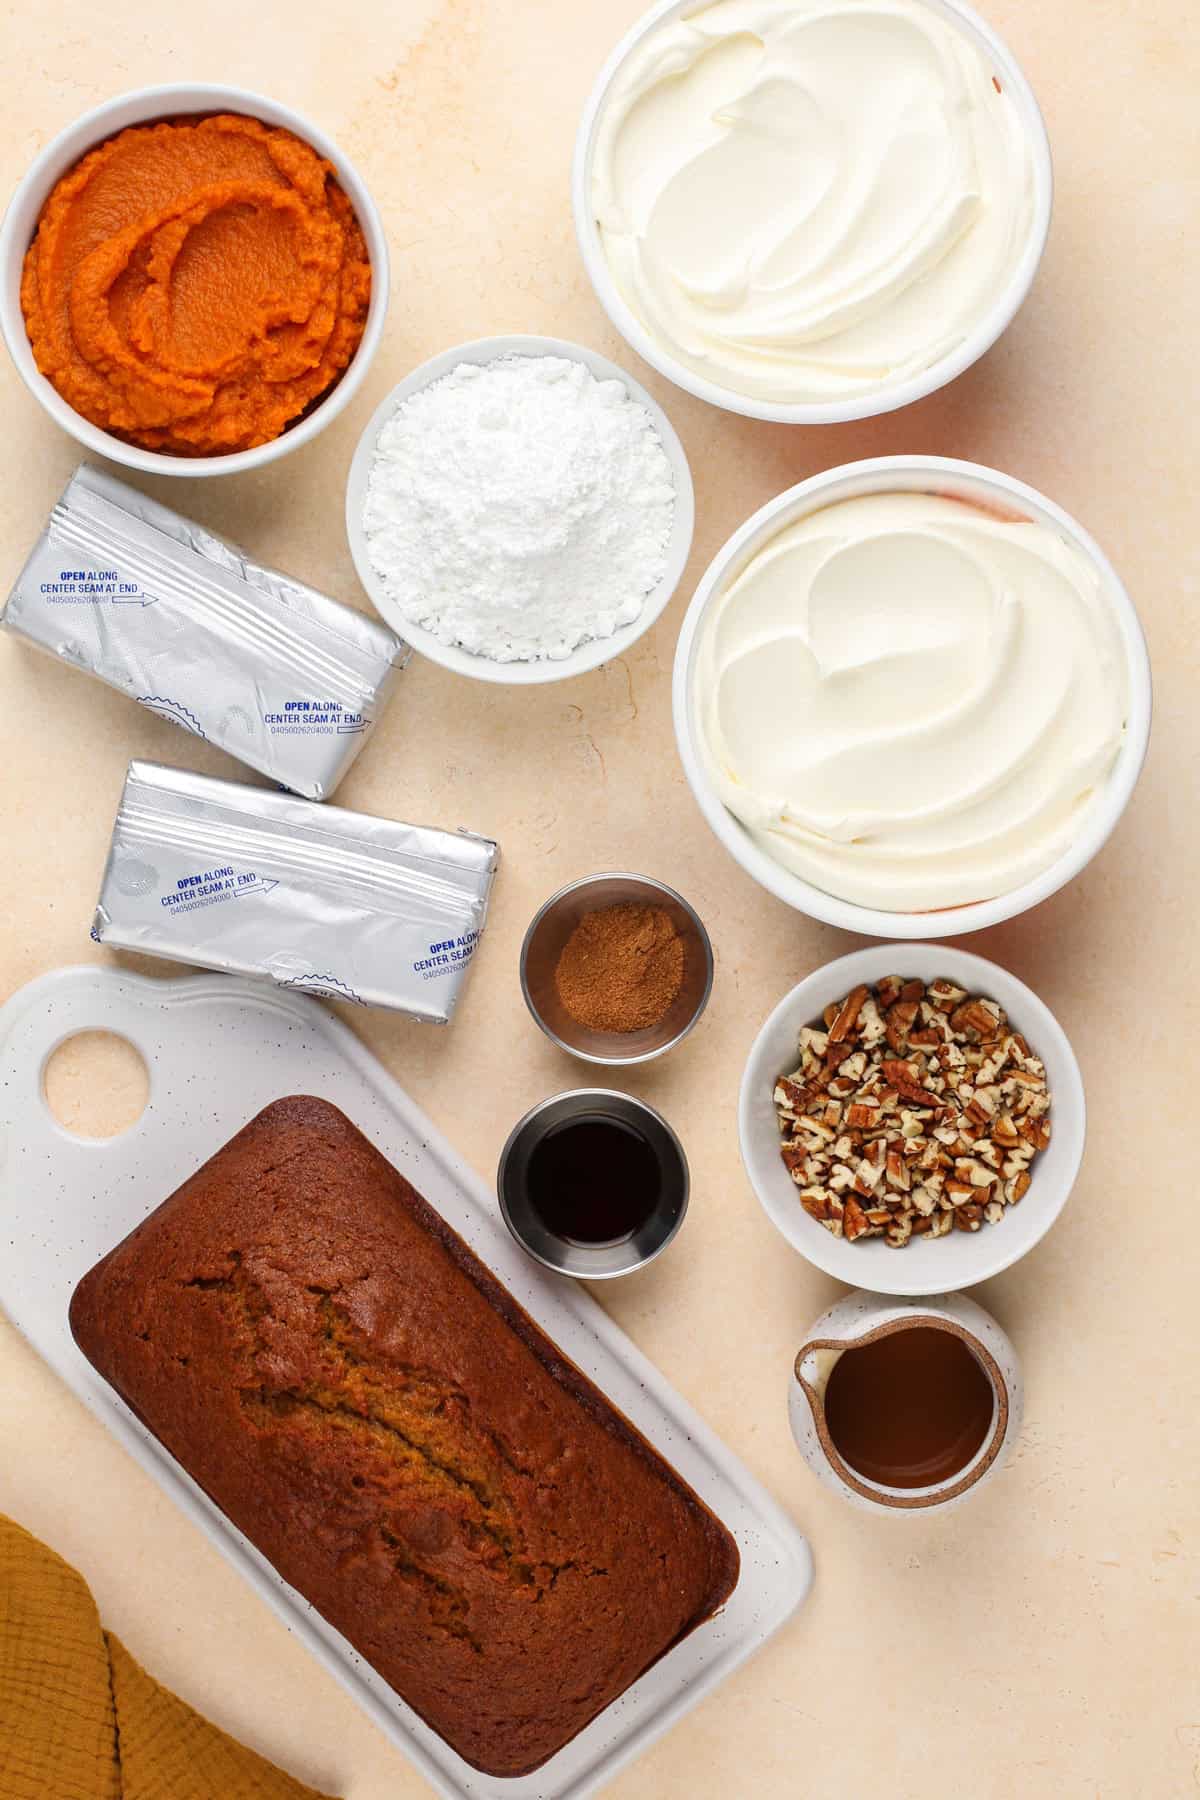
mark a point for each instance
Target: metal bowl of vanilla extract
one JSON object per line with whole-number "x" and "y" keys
{"x": 593, "y": 1184}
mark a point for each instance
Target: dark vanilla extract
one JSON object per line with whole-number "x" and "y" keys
{"x": 909, "y": 1410}
{"x": 593, "y": 1180}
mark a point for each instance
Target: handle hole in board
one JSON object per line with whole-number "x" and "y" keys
{"x": 96, "y": 1084}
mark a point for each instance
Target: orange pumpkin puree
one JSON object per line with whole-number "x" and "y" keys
{"x": 194, "y": 286}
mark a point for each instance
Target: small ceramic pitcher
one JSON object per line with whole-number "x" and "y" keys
{"x": 862, "y": 1318}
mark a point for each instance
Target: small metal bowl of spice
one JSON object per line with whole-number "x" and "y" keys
{"x": 616, "y": 968}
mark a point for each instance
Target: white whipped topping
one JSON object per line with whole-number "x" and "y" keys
{"x": 909, "y": 702}
{"x": 808, "y": 200}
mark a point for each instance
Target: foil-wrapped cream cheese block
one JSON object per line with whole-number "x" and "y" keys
{"x": 280, "y": 676}
{"x": 315, "y": 898}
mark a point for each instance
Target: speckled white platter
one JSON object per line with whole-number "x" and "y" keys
{"x": 218, "y": 1050}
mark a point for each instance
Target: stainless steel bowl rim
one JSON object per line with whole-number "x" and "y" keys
{"x": 594, "y": 1097}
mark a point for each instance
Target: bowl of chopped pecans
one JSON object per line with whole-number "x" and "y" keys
{"x": 912, "y": 1118}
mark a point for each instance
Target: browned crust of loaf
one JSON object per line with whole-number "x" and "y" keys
{"x": 311, "y": 1114}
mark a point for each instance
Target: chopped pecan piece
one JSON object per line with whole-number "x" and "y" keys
{"x": 981, "y": 1107}
{"x": 791, "y": 1099}
{"x": 846, "y": 1019}
{"x": 900, "y": 1021}
{"x": 897, "y": 1171}
{"x": 816, "y": 1128}
{"x": 978, "y": 1020}
{"x": 866, "y": 1177}
{"x": 854, "y": 1221}
{"x": 916, "y": 1096}
{"x": 870, "y": 1024}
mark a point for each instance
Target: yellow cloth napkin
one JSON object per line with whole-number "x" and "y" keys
{"x": 80, "y": 1720}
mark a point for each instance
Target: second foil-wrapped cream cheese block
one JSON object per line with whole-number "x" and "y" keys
{"x": 809, "y": 202}
{"x": 318, "y": 899}
{"x": 910, "y": 702}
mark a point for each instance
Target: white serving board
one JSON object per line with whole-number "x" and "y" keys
{"x": 218, "y": 1050}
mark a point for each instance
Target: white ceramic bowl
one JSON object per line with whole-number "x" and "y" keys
{"x": 921, "y": 474}
{"x": 925, "y": 1265}
{"x": 63, "y": 152}
{"x": 598, "y": 650}
{"x": 862, "y": 406}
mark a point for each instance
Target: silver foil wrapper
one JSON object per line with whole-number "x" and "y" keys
{"x": 318, "y": 899}
{"x": 282, "y": 677}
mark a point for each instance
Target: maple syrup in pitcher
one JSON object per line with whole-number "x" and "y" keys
{"x": 909, "y": 1410}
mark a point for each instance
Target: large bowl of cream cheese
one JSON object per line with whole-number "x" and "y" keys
{"x": 812, "y": 210}
{"x": 912, "y": 697}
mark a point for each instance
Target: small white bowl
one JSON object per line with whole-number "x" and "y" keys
{"x": 141, "y": 107}
{"x": 861, "y": 406}
{"x": 911, "y": 474}
{"x": 925, "y": 1265}
{"x": 597, "y": 650}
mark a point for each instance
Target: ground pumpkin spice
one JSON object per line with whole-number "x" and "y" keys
{"x": 621, "y": 969}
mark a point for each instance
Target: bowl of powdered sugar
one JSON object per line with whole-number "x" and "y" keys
{"x": 520, "y": 510}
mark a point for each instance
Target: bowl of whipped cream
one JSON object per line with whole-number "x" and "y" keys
{"x": 812, "y": 210}
{"x": 912, "y": 697}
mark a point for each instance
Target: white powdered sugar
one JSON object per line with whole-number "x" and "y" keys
{"x": 519, "y": 508}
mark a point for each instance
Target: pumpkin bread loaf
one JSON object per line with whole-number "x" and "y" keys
{"x": 375, "y": 1412}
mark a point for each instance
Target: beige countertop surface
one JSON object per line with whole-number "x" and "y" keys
{"x": 1043, "y": 1640}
